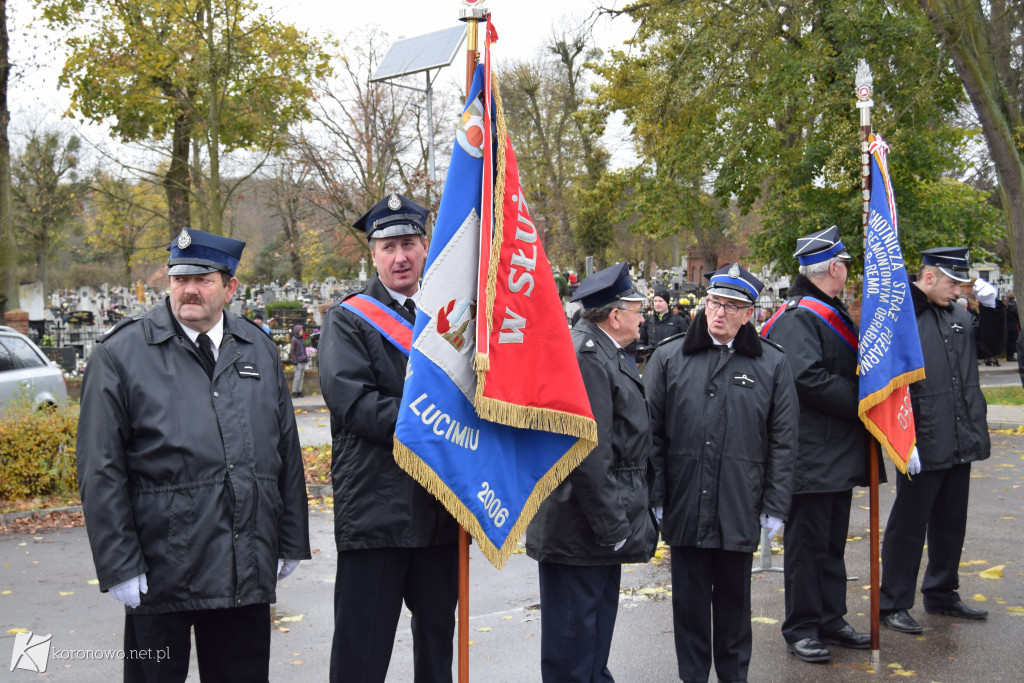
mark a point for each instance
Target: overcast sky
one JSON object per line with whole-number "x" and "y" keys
{"x": 523, "y": 26}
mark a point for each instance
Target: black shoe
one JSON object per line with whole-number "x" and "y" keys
{"x": 810, "y": 650}
{"x": 960, "y": 611}
{"x": 847, "y": 637}
{"x": 901, "y": 621}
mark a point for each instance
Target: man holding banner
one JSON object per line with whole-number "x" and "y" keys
{"x": 395, "y": 541}
{"x": 820, "y": 339}
{"x": 599, "y": 518}
{"x": 952, "y": 432}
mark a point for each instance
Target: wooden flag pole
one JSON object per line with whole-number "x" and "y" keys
{"x": 864, "y": 91}
{"x": 472, "y": 15}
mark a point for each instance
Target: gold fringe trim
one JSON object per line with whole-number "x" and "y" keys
{"x": 428, "y": 478}
{"x": 498, "y": 238}
{"x": 872, "y": 400}
{"x": 532, "y": 417}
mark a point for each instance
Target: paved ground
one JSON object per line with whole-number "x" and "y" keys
{"x": 45, "y": 587}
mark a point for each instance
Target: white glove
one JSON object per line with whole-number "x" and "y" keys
{"x": 985, "y": 293}
{"x": 772, "y": 524}
{"x": 286, "y": 567}
{"x": 914, "y": 462}
{"x": 128, "y": 592}
{"x": 618, "y": 546}
{"x": 659, "y": 513}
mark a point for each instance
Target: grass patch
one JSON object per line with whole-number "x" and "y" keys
{"x": 1004, "y": 396}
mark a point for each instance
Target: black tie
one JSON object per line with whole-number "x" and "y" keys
{"x": 206, "y": 353}
{"x": 410, "y": 305}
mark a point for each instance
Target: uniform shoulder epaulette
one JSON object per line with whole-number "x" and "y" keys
{"x": 793, "y": 303}
{"x": 666, "y": 340}
{"x": 588, "y": 345}
{"x": 771, "y": 343}
{"x": 121, "y": 324}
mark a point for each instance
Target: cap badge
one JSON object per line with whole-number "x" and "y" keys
{"x": 184, "y": 239}
{"x": 394, "y": 203}
{"x": 734, "y": 271}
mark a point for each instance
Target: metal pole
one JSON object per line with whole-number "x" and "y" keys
{"x": 472, "y": 16}
{"x": 864, "y": 91}
{"x": 431, "y": 174}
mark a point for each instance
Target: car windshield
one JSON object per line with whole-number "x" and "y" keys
{"x": 21, "y": 354}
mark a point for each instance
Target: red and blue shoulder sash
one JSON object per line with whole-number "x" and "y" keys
{"x": 828, "y": 314}
{"x": 392, "y": 326}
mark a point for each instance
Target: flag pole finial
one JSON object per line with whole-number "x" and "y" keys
{"x": 865, "y": 85}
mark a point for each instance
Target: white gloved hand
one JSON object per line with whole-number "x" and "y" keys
{"x": 985, "y": 293}
{"x": 286, "y": 567}
{"x": 914, "y": 462}
{"x": 659, "y": 513}
{"x": 772, "y": 524}
{"x": 618, "y": 546}
{"x": 128, "y": 592}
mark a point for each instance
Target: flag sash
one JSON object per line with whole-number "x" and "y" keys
{"x": 828, "y": 314}
{"x": 392, "y": 326}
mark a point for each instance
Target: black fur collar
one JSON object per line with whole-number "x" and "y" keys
{"x": 698, "y": 338}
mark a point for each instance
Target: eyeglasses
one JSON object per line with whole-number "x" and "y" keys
{"x": 730, "y": 309}
{"x": 638, "y": 311}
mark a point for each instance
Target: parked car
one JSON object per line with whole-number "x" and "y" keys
{"x": 24, "y": 369}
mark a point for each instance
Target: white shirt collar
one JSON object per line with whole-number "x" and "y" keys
{"x": 400, "y": 298}
{"x": 617, "y": 344}
{"x": 718, "y": 343}
{"x": 216, "y": 334}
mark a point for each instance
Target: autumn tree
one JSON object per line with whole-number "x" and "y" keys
{"x": 8, "y": 244}
{"x": 200, "y": 77}
{"x": 986, "y": 42}
{"x": 47, "y": 193}
{"x": 556, "y": 130}
{"x": 751, "y": 102}
{"x": 125, "y": 219}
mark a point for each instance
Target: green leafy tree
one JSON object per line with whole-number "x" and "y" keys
{"x": 752, "y": 102}
{"x": 205, "y": 76}
{"x": 47, "y": 195}
{"x": 986, "y": 41}
{"x": 125, "y": 219}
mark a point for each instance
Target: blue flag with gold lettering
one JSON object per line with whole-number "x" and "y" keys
{"x": 889, "y": 349}
{"x": 490, "y": 468}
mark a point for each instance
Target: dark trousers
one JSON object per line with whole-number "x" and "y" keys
{"x": 231, "y": 645}
{"x": 815, "y": 568}
{"x": 933, "y": 505}
{"x": 578, "y": 606}
{"x": 368, "y": 594}
{"x": 711, "y": 612}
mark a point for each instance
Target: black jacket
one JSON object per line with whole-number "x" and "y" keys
{"x": 197, "y": 483}
{"x": 376, "y": 503}
{"x": 833, "y": 454}
{"x": 607, "y": 498}
{"x": 657, "y": 329}
{"x": 950, "y": 412}
{"x": 724, "y": 422}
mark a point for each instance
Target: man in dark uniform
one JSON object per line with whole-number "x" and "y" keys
{"x": 191, "y": 474}
{"x": 659, "y": 326}
{"x": 820, "y": 339}
{"x": 395, "y": 541}
{"x": 952, "y": 432}
{"x": 724, "y": 420}
{"x": 598, "y": 518}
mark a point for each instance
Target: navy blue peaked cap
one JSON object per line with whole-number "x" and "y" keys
{"x": 605, "y": 286}
{"x": 393, "y": 216}
{"x": 820, "y": 246}
{"x": 953, "y": 261}
{"x": 195, "y": 252}
{"x": 735, "y": 282}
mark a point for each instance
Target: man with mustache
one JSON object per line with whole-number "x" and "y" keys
{"x": 395, "y": 541}
{"x": 191, "y": 474}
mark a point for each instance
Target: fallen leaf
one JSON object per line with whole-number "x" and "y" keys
{"x": 993, "y": 573}
{"x": 5, "y": 593}
{"x": 17, "y": 630}
{"x": 93, "y": 582}
{"x": 978, "y": 597}
{"x": 297, "y": 617}
{"x": 66, "y": 593}
{"x": 283, "y": 629}
{"x": 484, "y": 629}
{"x": 970, "y": 562}
{"x": 1015, "y": 611}
{"x": 764, "y": 620}
{"x": 297, "y": 662}
{"x": 1008, "y": 518}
